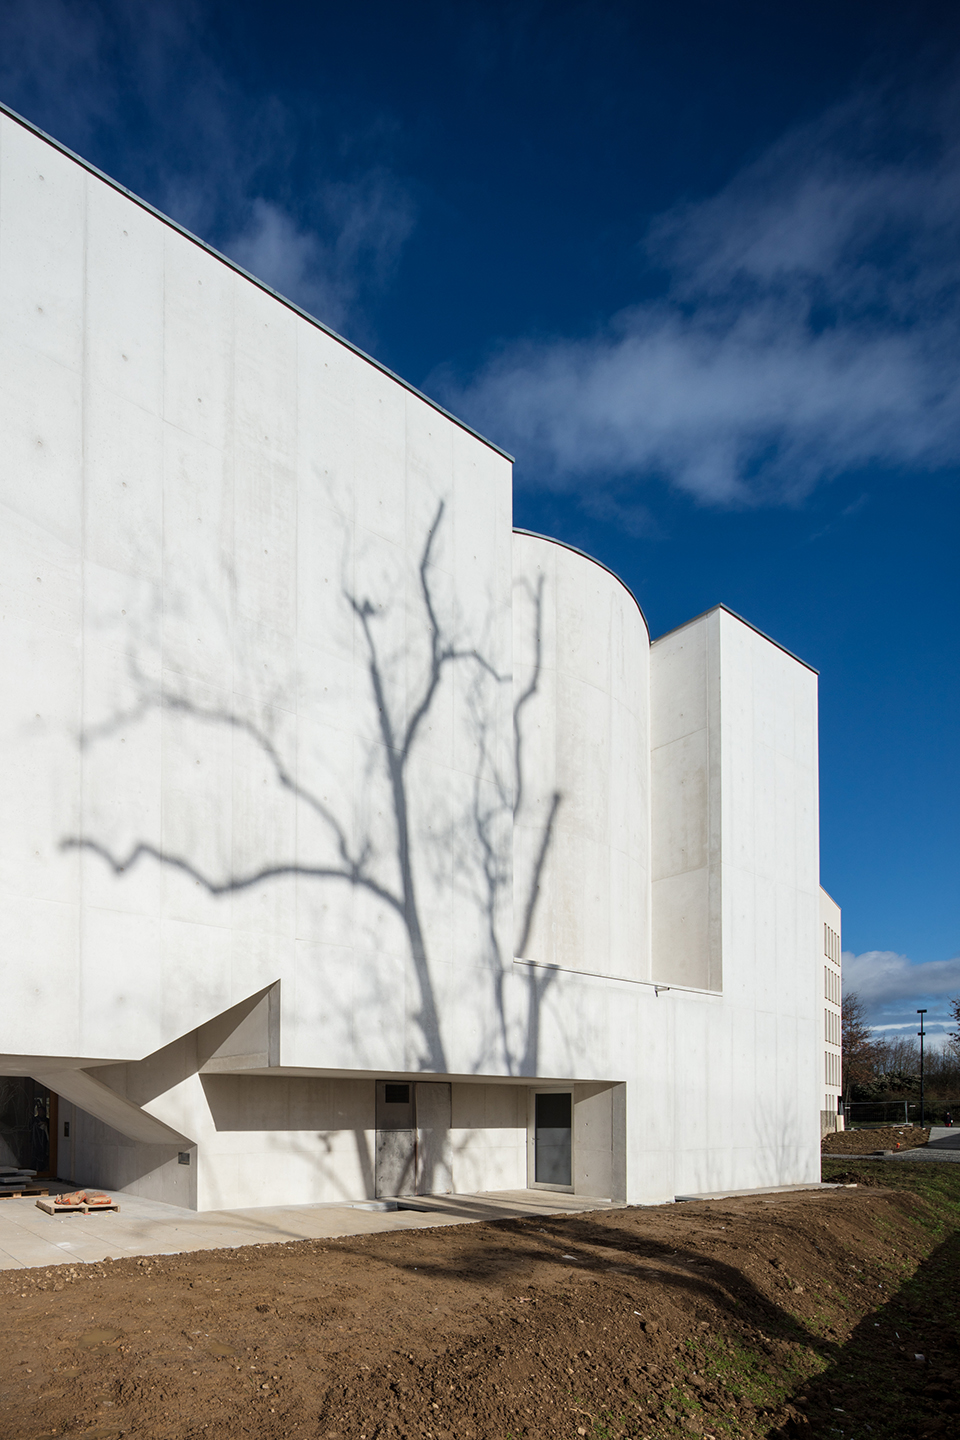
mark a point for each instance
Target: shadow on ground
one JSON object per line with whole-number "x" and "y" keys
{"x": 686, "y": 1276}
{"x": 875, "y": 1387}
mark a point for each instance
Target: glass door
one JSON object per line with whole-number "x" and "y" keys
{"x": 553, "y": 1139}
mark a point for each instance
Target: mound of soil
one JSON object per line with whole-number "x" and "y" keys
{"x": 863, "y": 1142}
{"x": 747, "y": 1317}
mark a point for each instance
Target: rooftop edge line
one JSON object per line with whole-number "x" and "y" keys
{"x": 750, "y": 626}
{"x": 261, "y": 284}
{"x": 552, "y": 540}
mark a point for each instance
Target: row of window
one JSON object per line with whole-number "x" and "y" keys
{"x": 831, "y": 1027}
{"x": 831, "y": 1062}
{"x": 831, "y": 985}
{"x": 831, "y": 944}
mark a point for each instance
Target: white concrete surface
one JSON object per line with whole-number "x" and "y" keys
{"x": 316, "y": 774}
{"x": 831, "y": 946}
{"x": 581, "y": 685}
{"x": 31, "y": 1238}
{"x": 735, "y": 900}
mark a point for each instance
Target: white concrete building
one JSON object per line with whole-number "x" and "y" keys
{"x": 355, "y": 843}
{"x": 832, "y": 1118}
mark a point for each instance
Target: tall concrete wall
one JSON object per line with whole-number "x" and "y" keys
{"x": 735, "y": 898}
{"x": 686, "y": 810}
{"x": 262, "y": 593}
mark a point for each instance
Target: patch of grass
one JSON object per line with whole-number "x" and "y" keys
{"x": 750, "y": 1374}
{"x": 873, "y": 1388}
{"x": 937, "y": 1182}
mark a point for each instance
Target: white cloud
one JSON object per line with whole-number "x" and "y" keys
{"x": 936, "y": 1034}
{"x": 140, "y": 81}
{"x": 809, "y": 326}
{"x": 370, "y": 221}
{"x": 892, "y": 989}
{"x": 882, "y": 977}
{"x": 274, "y": 248}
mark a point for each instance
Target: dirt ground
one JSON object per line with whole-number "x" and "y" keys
{"x": 862, "y": 1142}
{"x": 785, "y": 1315}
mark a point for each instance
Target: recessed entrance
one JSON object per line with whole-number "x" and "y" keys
{"x": 28, "y": 1126}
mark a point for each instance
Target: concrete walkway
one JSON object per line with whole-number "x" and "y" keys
{"x": 764, "y": 1190}
{"x": 944, "y": 1144}
{"x": 29, "y": 1238}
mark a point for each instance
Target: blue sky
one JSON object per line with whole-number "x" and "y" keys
{"x": 696, "y": 266}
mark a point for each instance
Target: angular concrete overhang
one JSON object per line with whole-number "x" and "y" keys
{"x": 100, "y": 1101}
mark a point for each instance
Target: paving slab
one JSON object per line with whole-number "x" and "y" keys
{"x": 943, "y": 1144}
{"x": 762, "y": 1190}
{"x": 926, "y": 1154}
{"x": 30, "y": 1238}
{"x": 943, "y": 1137}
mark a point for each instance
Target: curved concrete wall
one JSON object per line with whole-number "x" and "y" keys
{"x": 582, "y": 832}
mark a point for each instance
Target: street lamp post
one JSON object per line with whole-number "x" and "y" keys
{"x": 921, "y": 1013}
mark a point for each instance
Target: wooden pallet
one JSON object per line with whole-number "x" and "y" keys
{"x": 49, "y": 1208}
{"x": 14, "y": 1193}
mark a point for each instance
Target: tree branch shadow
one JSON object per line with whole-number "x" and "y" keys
{"x": 498, "y": 795}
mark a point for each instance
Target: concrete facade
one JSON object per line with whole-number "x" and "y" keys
{"x": 832, "y": 1118}
{"x": 355, "y": 842}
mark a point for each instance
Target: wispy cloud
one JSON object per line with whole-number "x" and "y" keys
{"x": 367, "y": 224}
{"x": 137, "y": 87}
{"x": 892, "y": 988}
{"x": 807, "y": 325}
{"x": 883, "y": 976}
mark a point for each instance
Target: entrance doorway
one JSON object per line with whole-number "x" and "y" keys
{"x": 553, "y": 1139}
{"x": 28, "y": 1126}
{"x": 413, "y": 1138}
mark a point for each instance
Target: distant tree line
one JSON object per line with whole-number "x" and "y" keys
{"x": 877, "y": 1068}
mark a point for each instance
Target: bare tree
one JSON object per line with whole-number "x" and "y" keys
{"x": 858, "y": 1045}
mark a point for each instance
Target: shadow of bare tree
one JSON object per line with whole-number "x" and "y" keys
{"x": 582, "y": 1246}
{"x": 357, "y": 860}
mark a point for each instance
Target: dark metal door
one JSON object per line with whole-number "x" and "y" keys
{"x": 396, "y": 1164}
{"x": 413, "y": 1138}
